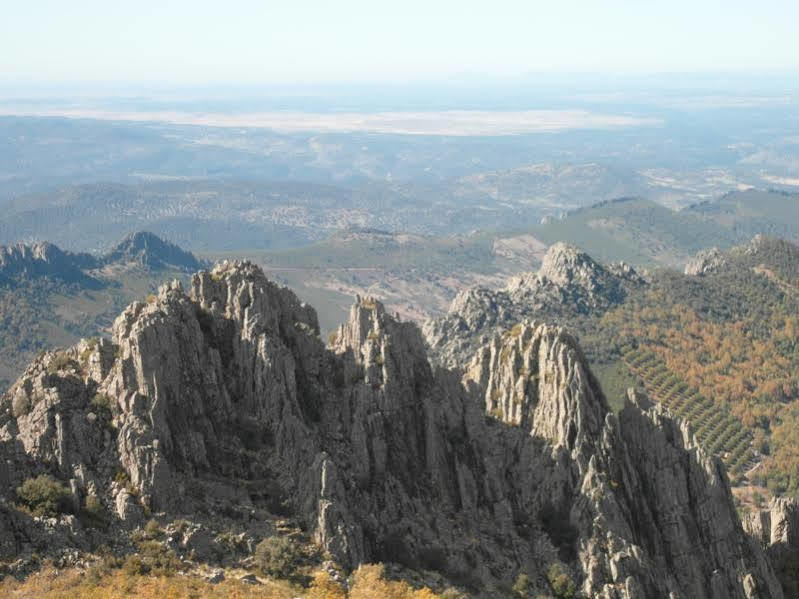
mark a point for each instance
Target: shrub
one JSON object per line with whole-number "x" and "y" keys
{"x": 20, "y": 405}
{"x": 277, "y": 556}
{"x": 101, "y": 404}
{"x": 61, "y": 362}
{"x": 44, "y": 496}
{"x": 522, "y": 585}
{"x": 561, "y": 582}
{"x": 181, "y": 526}
{"x": 324, "y": 587}
{"x": 158, "y": 559}
{"x": 152, "y": 529}
{"x": 134, "y": 566}
{"x": 102, "y": 568}
{"x": 368, "y": 582}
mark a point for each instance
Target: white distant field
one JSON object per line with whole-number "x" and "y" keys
{"x": 792, "y": 181}
{"x": 455, "y": 122}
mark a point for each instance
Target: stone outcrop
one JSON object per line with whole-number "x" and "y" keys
{"x": 569, "y": 284}
{"x": 705, "y": 261}
{"x": 223, "y": 403}
{"x": 776, "y": 529}
{"x": 776, "y": 526}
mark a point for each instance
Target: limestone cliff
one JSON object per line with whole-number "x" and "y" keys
{"x": 223, "y": 405}
{"x": 776, "y": 529}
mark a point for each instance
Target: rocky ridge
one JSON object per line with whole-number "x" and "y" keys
{"x": 42, "y": 260}
{"x": 22, "y": 262}
{"x": 754, "y": 254}
{"x": 223, "y": 406}
{"x": 568, "y": 284}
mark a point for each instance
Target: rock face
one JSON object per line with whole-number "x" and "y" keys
{"x": 224, "y": 400}
{"x": 150, "y": 251}
{"x": 706, "y": 261}
{"x": 776, "y": 529}
{"x": 568, "y": 284}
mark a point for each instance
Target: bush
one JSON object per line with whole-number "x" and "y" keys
{"x": 152, "y": 529}
{"x": 561, "y": 582}
{"x": 134, "y": 566}
{"x": 60, "y": 362}
{"x": 45, "y": 496}
{"x": 102, "y": 568}
{"x": 158, "y": 559}
{"x": 101, "y": 404}
{"x": 277, "y": 556}
{"x": 522, "y": 585}
{"x": 369, "y": 582}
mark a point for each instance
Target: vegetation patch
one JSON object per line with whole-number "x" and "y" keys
{"x": 277, "y": 557}
{"x": 45, "y": 496}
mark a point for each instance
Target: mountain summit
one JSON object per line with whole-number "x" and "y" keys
{"x": 150, "y": 251}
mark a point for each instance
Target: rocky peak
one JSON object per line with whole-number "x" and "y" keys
{"x": 564, "y": 264}
{"x": 569, "y": 283}
{"x": 575, "y": 278}
{"x": 150, "y": 251}
{"x": 705, "y": 262}
{"x": 521, "y": 372}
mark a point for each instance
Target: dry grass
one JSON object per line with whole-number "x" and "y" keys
{"x": 51, "y": 583}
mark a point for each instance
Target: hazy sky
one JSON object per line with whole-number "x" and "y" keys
{"x": 289, "y": 41}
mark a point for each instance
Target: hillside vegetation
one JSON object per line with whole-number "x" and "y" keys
{"x": 730, "y": 338}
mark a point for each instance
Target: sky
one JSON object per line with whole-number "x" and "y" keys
{"x": 299, "y": 41}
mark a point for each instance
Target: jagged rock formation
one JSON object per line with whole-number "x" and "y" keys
{"x": 705, "y": 261}
{"x": 225, "y": 402}
{"x": 44, "y": 260}
{"x": 776, "y": 526}
{"x": 150, "y": 251}
{"x": 568, "y": 284}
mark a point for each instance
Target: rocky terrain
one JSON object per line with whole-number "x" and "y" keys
{"x": 568, "y": 284}
{"x": 222, "y": 407}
